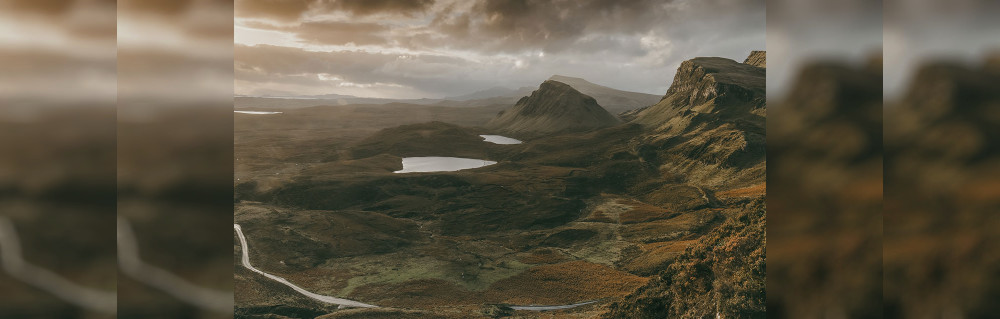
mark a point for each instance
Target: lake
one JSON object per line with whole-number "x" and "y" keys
{"x": 497, "y": 139}
{"x": 256, "y": 112}
{"x": 440, "y": 164}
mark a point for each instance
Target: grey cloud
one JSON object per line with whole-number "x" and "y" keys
{"x": 424, "y": 73}
{"x": 330, "y": 32}
{"x": 291, "y": 10}
{"x": 631, "y": 45}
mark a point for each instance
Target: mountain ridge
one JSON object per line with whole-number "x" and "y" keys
{"x": 613, "y": 100}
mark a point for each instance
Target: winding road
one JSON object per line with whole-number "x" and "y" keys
{"x": 132, "y": 265}
{"x": 351, "y": 303}
{"x": 14, "y": 264}
{"x": 327, "y": 299}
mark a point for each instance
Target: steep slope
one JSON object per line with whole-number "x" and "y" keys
{"x": 757, "y": 58}
{"x": 708, "y": 132}
{"x": 719, "y": 87}
{"x": 614, "y": 100}
{"x": 709, "y": 127}
{"x": 554, "y": 107}
{"x": 721, "y": 276}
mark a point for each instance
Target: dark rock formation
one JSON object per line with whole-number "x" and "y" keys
{"x": 554, "y": 107}
{"x": 710, "y": 124}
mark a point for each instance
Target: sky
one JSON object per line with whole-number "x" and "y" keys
{"x": 440, "y": 48}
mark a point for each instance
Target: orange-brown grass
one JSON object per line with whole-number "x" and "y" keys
{"x": 750, "y": 191}
{"x": 544, "y": 256}
{"x": 563, "y": 283}
{"x": 656, "y": 254}
{"x": 642, "y": 212}
{"x": 664, "y": 229}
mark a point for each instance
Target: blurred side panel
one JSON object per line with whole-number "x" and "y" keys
{"x": 175, "y": 153}
{"x": 57, "y": 159}
{"x": 942, "y": 132}
{"x": 824, "y": 145}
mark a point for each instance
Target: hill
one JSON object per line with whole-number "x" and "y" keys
{"x": 554, "y": 107}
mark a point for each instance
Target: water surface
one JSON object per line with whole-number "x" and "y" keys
{"x": 256, "y": 112}
{"x": 498, "y": 139}
{"x": 440, "y": 164}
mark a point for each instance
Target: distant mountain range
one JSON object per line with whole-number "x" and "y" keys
{"x": 496, "y": 91}
{"x": 613, "y": 100}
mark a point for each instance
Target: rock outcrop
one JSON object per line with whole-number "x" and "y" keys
{"x": 708, "y": 131}
{"x": 717, "y": 86}
{"x": 554, "y": 107}
{"x": 757, "y": 58}
{"x": 710, "y": 125}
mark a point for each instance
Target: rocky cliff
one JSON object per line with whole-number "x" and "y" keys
{"x": 757, "y": 58}
{"x": 710, "y": 125}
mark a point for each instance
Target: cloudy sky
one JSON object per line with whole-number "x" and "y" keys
{"x": 438, "y": 48}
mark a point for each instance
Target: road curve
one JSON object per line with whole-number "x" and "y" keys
{"x": 131, "y": 264}
{"x": 544, "y": 308}
{"x": 327, "y": 299}
{"x": 12, "y": 261}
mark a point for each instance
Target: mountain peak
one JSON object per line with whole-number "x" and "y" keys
{"x": 710, "y": 85}
{"x": 614, "y": 100}
{"x": 554, "y": 107}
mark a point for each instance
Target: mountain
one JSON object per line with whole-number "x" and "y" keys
{"x": 708, "y": 131}
{"x": 713, "y": 87}
{"x": 554, "y": 107}
{"x": 614, "y": 100}
{"x": 711, "y": 122}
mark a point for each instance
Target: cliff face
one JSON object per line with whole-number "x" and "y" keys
{"x": 554, "y": 107}
{"x": 708, "y": 131}
{"x": 716, "y": 86}
{"x": 757, "y": 58}
{"x": 710, "y": 125}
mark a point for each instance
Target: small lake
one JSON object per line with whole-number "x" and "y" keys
{"x": 256, "y": 112}
{"x": 497, "y": 139}
{"x": 440, "y": 164}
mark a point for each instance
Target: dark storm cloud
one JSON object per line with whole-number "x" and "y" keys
{"x": 633, "y": 45}
{"x": 556, "y": 25}
{"x": 284, "y": 10}
{"x": 367, "y": 7}
{"x": 290, "y": 10}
